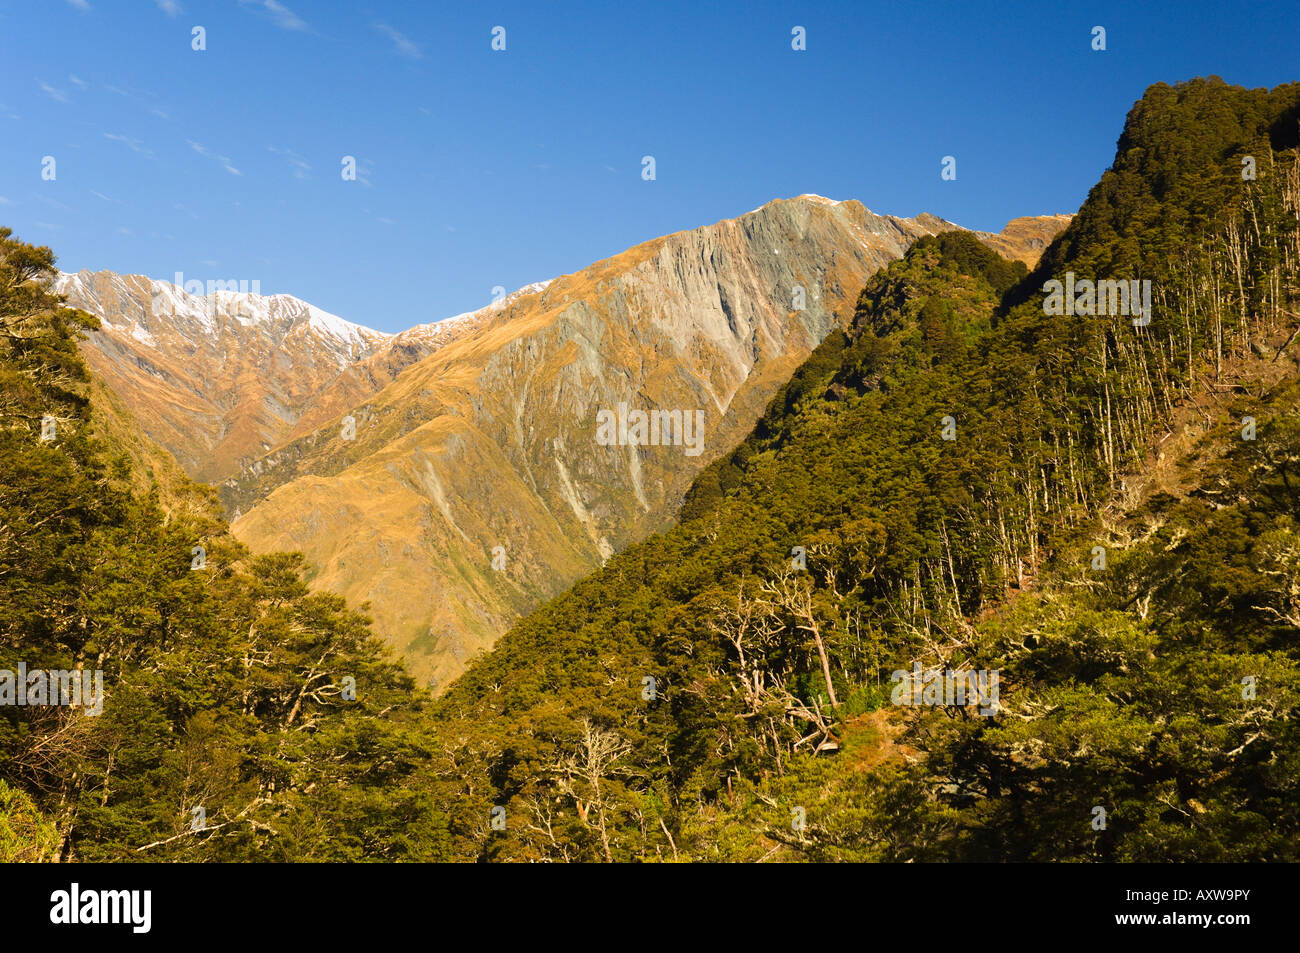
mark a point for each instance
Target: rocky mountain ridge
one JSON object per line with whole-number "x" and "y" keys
{"x": 451, "y": 475}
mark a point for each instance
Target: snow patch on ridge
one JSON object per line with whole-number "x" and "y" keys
{"x": 162, "y": 305}
{"x": 501, "y": 303}
{"x": 810, "y": 196}
{"x": 445, "y": 326}
{"x": 338, "y": 327}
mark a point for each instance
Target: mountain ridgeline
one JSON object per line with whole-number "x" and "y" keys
{"x": 963, "y": 577}
{"x": 220, "y": 376}
{"x": 477, "y": 485}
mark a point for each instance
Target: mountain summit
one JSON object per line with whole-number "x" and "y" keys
{"x": 221, "y": 378}
{"x": 476, "y": 486}
{"x": 217, "y": 379}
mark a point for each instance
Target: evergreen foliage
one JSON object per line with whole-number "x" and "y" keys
{"x": 932, "y": 487}
{"x": 1120, "y": 689}
{"x": 224, "y": 687}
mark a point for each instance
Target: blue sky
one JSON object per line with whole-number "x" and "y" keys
{"x": 479, "y": 168}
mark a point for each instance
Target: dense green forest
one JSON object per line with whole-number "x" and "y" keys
{"x": 1101, "y": 513}
{"x": 771, "y": 732}
{"x": 226, "y": 687}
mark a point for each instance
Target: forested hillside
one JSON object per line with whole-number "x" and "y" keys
{"x": 1099, "y": 509}
{"x": 226, "y": 730}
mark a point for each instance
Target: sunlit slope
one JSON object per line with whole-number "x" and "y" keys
{"x": 491, "y": 441}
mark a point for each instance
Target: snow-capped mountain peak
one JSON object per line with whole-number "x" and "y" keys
{"x": 143, "y": 308}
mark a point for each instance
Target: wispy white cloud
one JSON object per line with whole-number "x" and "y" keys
{"x": 401, "y": 42}
{"x": 101, "y": 195}
{"x": 301, "y": 167}
{"x": 5, "y": 201}
{"x": 135, "y": 145}
{"x": 226, "y": 161}
{"x": 52, "y": 203}
{"x": 279, "y": 14}
{"x": 58, "y": 95}
{"x": 81, "y": 5}
{"x": 169, "y": 7}
{"x": 77, "y": 81}
{"x": 143, "y": 96}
